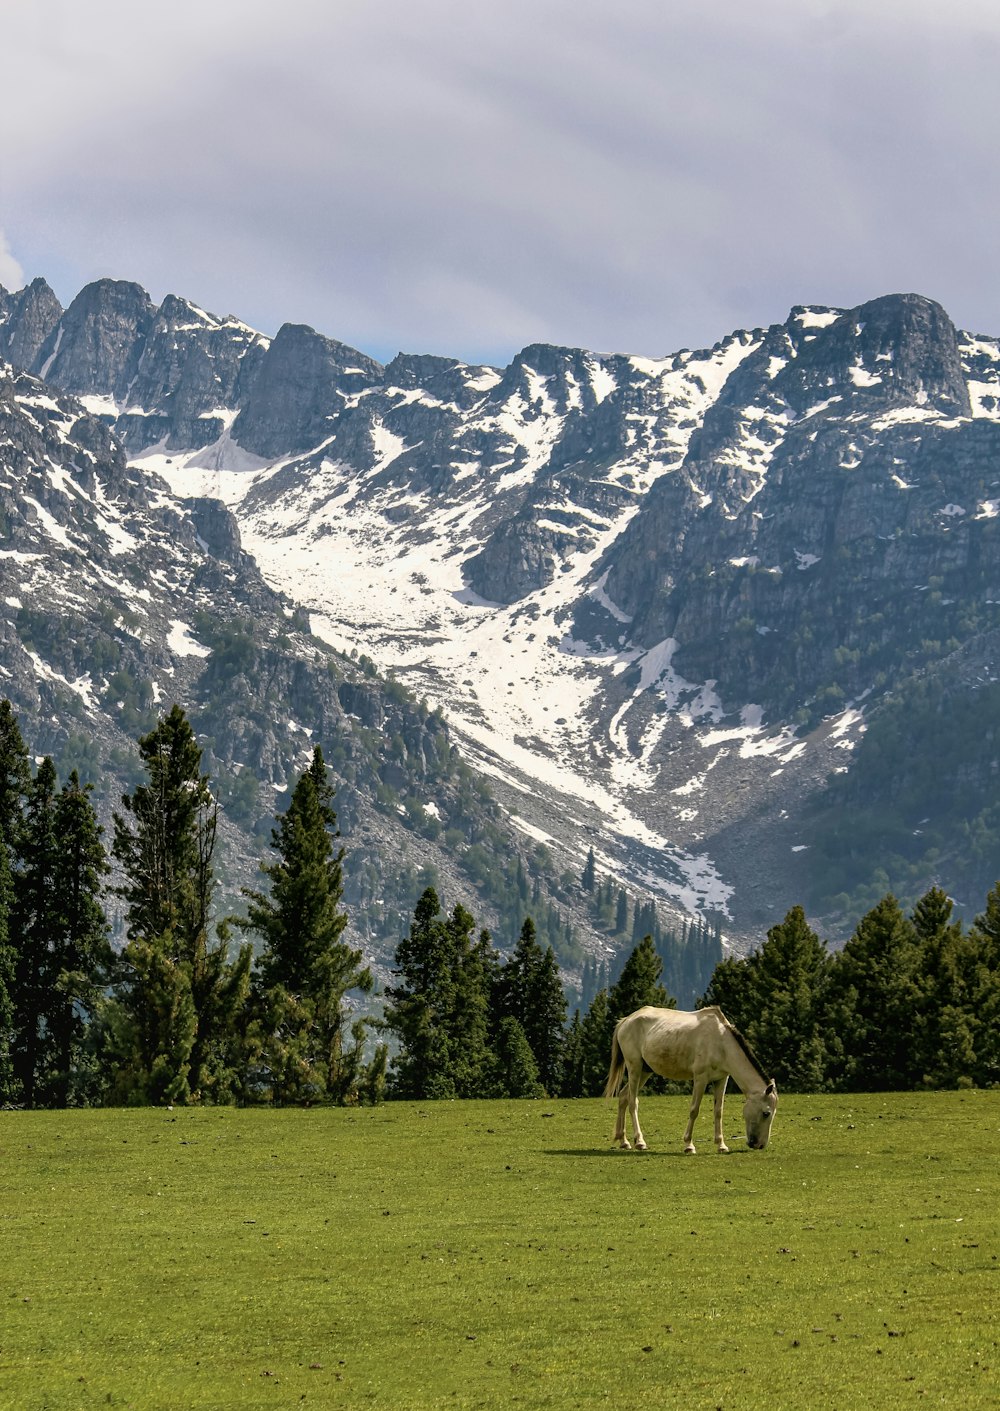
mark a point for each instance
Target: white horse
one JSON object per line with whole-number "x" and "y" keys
{"x": 701, "y": 1045}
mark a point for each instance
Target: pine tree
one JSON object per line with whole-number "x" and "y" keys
{"x": 571, "y": 1084}
{"x": 516, "y": 1073}
{"x": 15, "y": 780}
{"x": 473, "y": 970}
{"x": 174, "y": 1033}
{"x": 545, "y": 1028}
{"x": 947, "y": 1015}
{"x": 731, "y": 987}
{"x": 589, "y": 872}
{"x": 306, "y": 969}
{"x": 8, "y": 1085}
{"x": 787, "y": 979}
{"x": 82, "y": 957}
{"x": 415, "y": 1004}
{"x": 874, "y": 1001}
{"x": 36, "y": 929}
{"x": 984, "y": 990}
{"x": 595, "y": 1045}
{"x": 621, "y": 913}
{"x": 529, "y": 990}
{"x": 439, "y": 1008}
{"x": 639, "y": 983}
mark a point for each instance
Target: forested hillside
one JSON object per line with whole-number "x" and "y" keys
{"x": 277, "y": 1003}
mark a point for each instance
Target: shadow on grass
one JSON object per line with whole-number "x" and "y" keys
{"x": 616, "y": 1154}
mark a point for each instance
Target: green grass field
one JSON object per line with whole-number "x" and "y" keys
{"x": 501, "y": 1254}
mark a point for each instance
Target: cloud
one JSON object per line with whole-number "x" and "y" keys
{"x": 465, "y": 179}
{"x": 11, "y": 273}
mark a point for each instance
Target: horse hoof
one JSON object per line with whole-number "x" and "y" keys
{"x": 689, "y": 1151}
{"x": 640, "y": 1146}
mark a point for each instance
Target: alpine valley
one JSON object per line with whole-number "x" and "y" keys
{"x": 729, "y": 618}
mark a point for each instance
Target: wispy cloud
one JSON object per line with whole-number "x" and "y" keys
{"x": 465, "y": 179}
{"x": 11, "y": 273}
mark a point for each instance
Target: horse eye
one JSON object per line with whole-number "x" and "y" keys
{"x": 767, "y": 1116}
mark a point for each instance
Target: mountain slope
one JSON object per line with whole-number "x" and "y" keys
{"x": 119, "y": 599}
{"x": 659, "y": 601}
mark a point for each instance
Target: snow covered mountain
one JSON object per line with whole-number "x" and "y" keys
{"x": 658, "y": 601}
{"x": 119, "y": 599}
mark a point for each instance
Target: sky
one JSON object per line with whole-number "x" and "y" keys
{"x": 465, "y": 178}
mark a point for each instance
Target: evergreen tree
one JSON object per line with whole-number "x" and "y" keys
{"x": 787, "y": 979}
{"x": 529, "y": 990}
{"x": 15, "y": 780}
{"x": 874, "y": 1001}
{"x": 82, "y": 957}
{"x": 595, "y": 1045}
{"x": 416, "y": 1004}
{"x": 639, "y": 983}
{"x": 8, "y": 1085}
{"x": 473, "y": 968}
{"x": 439, "y": 1008}
{"x": 515, "y": 1068}
{"x": 306, "y": 968}
{"x": 572, "y": 1065}
{"x": 546, "y": 1022}
{"x": 36, "y": 931}
{"x": 983, "y": 990}
{"x": 589, "y": 872}
{"x": 621, "y": 913}
{"x": 732, "y": 989}
{"x": 174, "y": 1033}
{"x": 946, "y": 1021}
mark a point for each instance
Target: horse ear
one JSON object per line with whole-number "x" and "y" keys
{"x": 771, "y": 1090}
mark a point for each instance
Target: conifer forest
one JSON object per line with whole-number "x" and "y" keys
{"x": 274, "y": 1006}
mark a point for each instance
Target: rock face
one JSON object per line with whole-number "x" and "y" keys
{"x": 26, "y": 320}
{"x": 838, "y": 472}
{"x": 95, "y": 347}
{"x": 179, "y": 377}
{"x": 303, "y": 384}
{"x": 659, "y": 599}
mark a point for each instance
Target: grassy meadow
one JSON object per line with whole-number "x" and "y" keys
{"x": 501, "y": 1254}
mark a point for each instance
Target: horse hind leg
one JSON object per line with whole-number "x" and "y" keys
{"x": 634, "y": 1089}
{"x": 620, "y": 1137}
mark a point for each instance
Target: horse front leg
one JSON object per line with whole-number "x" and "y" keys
{"x": 720, "y": 1097}
{"x": 697, "y": 1093}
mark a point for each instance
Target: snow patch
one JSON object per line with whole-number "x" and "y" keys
{"x": 182, "y": 642}
{"x": 817, "y": 318}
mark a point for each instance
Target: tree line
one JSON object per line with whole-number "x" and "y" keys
{"x": 911, "y": 1000}
{"x": 183, "y": 1010}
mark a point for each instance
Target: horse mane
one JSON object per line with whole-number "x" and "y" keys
{"x": 745, "y": 1046}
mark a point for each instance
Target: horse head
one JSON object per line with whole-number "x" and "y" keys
{"x": 758, "y": 1112}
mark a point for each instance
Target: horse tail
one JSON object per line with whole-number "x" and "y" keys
{"x": 617, "y": 1068}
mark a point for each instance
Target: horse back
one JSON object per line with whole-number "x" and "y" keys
{"x": 675, "y": 1043}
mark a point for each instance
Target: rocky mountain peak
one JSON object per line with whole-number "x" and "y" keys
{"x": 901, "y": 348}
{"x": 95, "y": 347}
{"x": 304, "y": 380}
{"x": 26, "y": 320}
